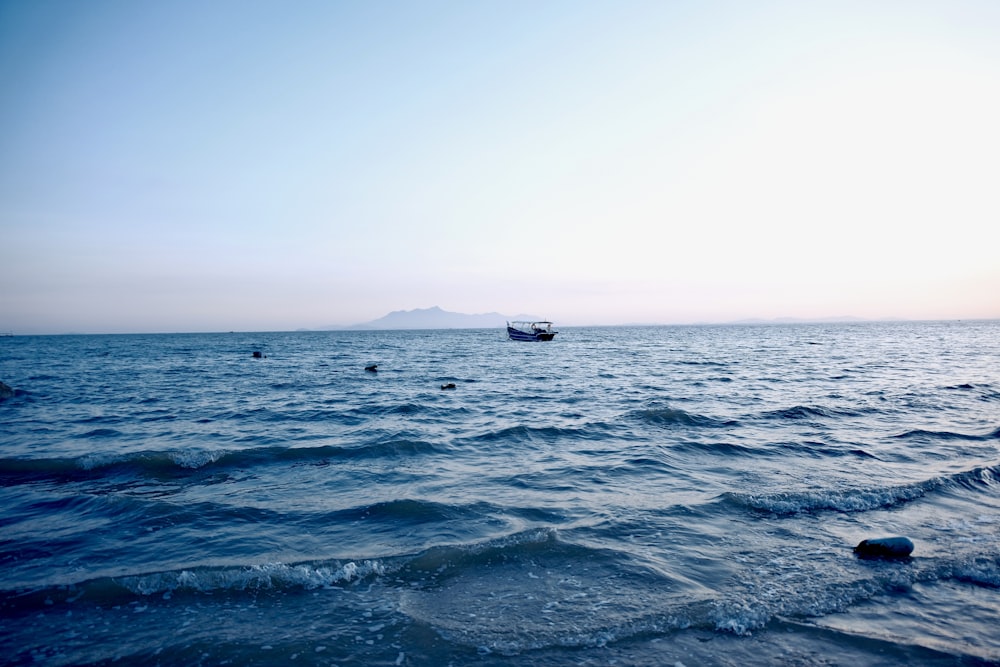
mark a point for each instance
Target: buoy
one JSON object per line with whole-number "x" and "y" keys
{"x": 884, "y": 547}
{"x": 372, "y": 369}
{"x": 450, "y": 385}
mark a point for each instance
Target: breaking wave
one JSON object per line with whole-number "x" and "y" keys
{"x": 862, "y": 499}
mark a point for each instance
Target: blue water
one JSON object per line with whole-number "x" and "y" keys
{"x": 627, "y": 496}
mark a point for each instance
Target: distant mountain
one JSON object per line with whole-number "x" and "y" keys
{"x": 435, "y": 318}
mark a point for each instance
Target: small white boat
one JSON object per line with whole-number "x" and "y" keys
{"x": 530, "y": 331}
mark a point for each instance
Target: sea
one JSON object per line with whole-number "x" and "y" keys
{"x": 676, "y": 495}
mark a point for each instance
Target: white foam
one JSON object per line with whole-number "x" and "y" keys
{"x": 739, "y": 618}
{"x": 99, "y": 460}
{"x": 857, "y": 500}
{"x": 268, "y": 575}
{"x": 196, "y": 458}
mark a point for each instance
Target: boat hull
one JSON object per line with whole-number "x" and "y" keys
{"x": 517, "y": 334}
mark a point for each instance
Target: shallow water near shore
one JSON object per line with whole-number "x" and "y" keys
{"x": 620, "y": 495}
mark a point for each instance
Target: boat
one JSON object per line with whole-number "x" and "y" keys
{"x": 541, "y": 330}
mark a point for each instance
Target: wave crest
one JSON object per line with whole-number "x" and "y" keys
{"x": 667, "y": 416}
{"x": 158, "y": 462}
{"x": 256, "y": 577}
{"x": 861, "y": 500}
{"x": 922, "y": 434}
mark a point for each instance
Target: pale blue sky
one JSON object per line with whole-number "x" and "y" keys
{"x": 215, "y": 166}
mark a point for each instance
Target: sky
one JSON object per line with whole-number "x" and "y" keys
{"x": 253, "y": 165}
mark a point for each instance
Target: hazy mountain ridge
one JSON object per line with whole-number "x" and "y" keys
{"x": 436, "y": 318}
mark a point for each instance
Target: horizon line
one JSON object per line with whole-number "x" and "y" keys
{"x": 361, "y": 328}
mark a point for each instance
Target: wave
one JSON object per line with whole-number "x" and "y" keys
{"x": 720, "y": 448}
{"x": 528, "y": 591}
{"x": 160, "y": 462}
{"x": 274, "y": 576}
{"x": 407, "y": 511}
{"x": 516, "y": 545}
{"x": 100, "y": 433}
{"x": 987, "y": 392}
{"x": 806, "y": 412}
{"x": 336, "y": 412}
{"x": 578, "y": 596}
{"x": 535, "y": 590}
{"x": 964, "y": 385}
{"x": 667, "y": 416}
{"x": 980, "y": 570}
{"x": 695, "y": 362}
{"x": 742, "y": 613}
{"x": 860, "y": 500}
{"x": 522, "y": 433}
{"x": 921, "y": 434}
{"x": 307, "y": 576}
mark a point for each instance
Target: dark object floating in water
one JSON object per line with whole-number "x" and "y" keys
{"x": 372, "y": 369}
{"x": 5, "y": 391}
{"x": 257, "y": 354}
{"x": 885, "y": 547}
{"x": 450, "y": 385}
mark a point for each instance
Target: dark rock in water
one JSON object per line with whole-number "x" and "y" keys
{"x": 885, "y": 547}
{"x": 372, "y": 369}
{"x": 257, "y": 354}
{"x": 5, "y": 391}
{"x": 450, "y": 385}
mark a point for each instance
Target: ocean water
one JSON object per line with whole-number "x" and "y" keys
{"x": 619, "y": 496}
